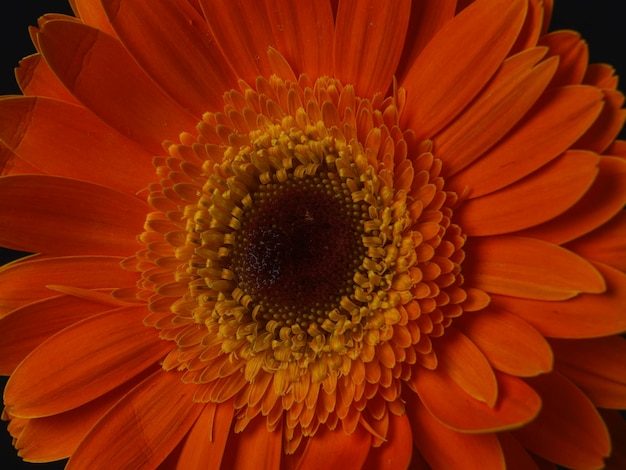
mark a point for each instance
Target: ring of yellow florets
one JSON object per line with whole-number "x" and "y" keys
{"x": 340, "y": 361}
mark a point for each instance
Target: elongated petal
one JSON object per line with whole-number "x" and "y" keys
{"x": 304, "y": 33}
{"x": 335, "y": 449}
{"x": 558, "y": 119}
{"x": 445, "y": 448}
{"x": 443, "y": 65}
{"x": 86, "y": 59}
{"x": 509, "y": 343}
{"x": 160, "y": 410}
{"x": 517, "y": 458}
{"x": 207, "y": 438}
{"x": 187, "y": 51}
{"x": 62, "y": 139}
{"x": 517, "y": 403}
{"x": 91, "y": 357}
{"x": 524, "y": 204}
{"x": 27, "y": 327}
{"x": 529, "y": 268}
{"x": 460, "y": 359}
{"x": 76, "y": 217}
{"x": 257, "y": 441}
{"x": 573, "y": 56}
{"x": 396, "y": 452}
{"x": 597, "y": 366}
{"x": 604, "y": 200}
{"x": 368, "y": 43}
{"x": 92, "y": 13}
{"x": 512, "y": 91}
{"x": 608, "y": 125}
{"x": 26, "y": 280}
{"x": 577, "y": 317}
{"x": 35, "y": 78}
{"x": 568, "y": 431}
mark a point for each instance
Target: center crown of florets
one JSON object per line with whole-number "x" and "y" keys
{"x": 301, "y": 249}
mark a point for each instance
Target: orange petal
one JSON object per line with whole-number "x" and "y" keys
{"x": 509, "y": 343}
{"x": 57, "y": 437}
{"x": 67, "y": 140}
{"x": 517, "y": 403}
{"x": 606, "y": 244}
{"x": 26, "y": 280}
{"x": 187, "y": 53}
{"x": 445, "y": 448}
{"x": 143, "y": 427}
{"x": 510, "y": 93}
{"x": 397, "y": 450}
{"x": 601, "y": 76}
{"x": 529, "y": 268}
{"x": 91, "y": 357}
{"x": 597, "y": 366}
{"x": 605, "y": 199}
{"x": 427, "y": 17}
{"x": 86, "y": 59}
{"x": 532, "y": 29}
{"x": 617, "y": 427}
{"x": 442, "y": 66}
{"x": 335, "y": 449}
{"x": 517, "y": 458}
{"x": 460, "y": 359}
{"x": 92, "y": 13}
{"x": 369, "y": 36}
{"x": 76, "y": 217}
{"x": 256, "y": 440}
{"x": 573, "y": 56}
{"x": 304, "y": 33}
{"x": 27, "y": 327}
{"x": 568, "y": 431}
{"x": 538, "y": 198}
{"x": 584, "y": 316}
{"x": 558, "y": 119}
{"x": 608, "y": 125}
{"x": 35, "y": 78}
{"x": 243, "y": 33}
{"x": 207, "y": 438}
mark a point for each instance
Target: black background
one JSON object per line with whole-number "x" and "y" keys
{"x": 599, "y": 21}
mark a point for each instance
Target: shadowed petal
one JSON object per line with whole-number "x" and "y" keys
{"x": 396, "y": 452}
{"x": 336, "y": 449}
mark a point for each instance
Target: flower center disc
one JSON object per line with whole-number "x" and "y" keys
{"x": 298, "y": 249}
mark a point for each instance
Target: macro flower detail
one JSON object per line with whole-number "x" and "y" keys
{"x": 355, "y": 233}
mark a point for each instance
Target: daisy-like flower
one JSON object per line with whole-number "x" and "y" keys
{"x": 350, "y": 234}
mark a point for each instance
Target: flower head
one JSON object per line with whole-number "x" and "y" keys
{"x": 377, "y": 234}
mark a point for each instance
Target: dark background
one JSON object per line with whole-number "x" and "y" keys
{"x": 599, "y": 21}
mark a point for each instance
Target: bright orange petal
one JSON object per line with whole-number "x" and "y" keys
{"x": 512, "y": 91}
{"x": 207, "y": 438}
{"x": 445, "y": 448}
{"x": 92, "y": 13}
{"x": 510, "y": 344}
{"x": 335, "y": 449}
{"x": 76, "y": 217}
{"x": 86, "y": 59}
{"x": 35, "y": 78}
{"x": 606, "y": 244}
{"x": 266, "y": 447}
{"x": 26, "y": 280}
{"x": 368, "y": 43}
{"x": 517, "y": 403}
{"x": 568, "y": 431}
{"x": 608, "y": 125}
{"x": 529, "y": 268}
{"x": 532, "y": 29}
{"x": 524, "y": 204}
{"x": 559, "y": 118}
{"x": 66, "y": 140}
{"x": 460, "y": 359}
{"x": 396, "y": 451}
{"x": 187, "y": 53}
{"x": 573, "y": 56}
{"x": 605, "y": 199}
{"x": 304, "y": 33}
{"x": 597, "y": 366}
{"x": 443, "y": 65}
{"x": 584, "y": 316}
{"x": 161, "y": 407}
{"x": 27, "y": 327}
{"x": 91, "y": 357}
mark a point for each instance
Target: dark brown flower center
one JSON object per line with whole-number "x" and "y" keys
{"x": 298, "y": 248}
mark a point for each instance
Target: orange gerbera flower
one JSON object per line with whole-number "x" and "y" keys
{"x": 283, "y": 234}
